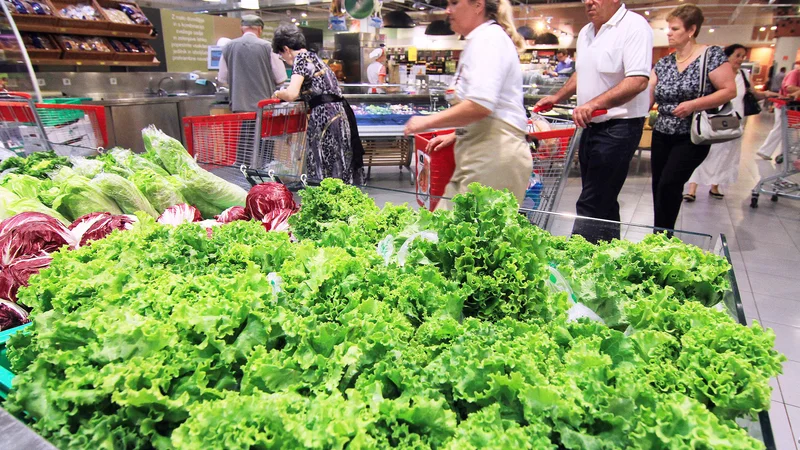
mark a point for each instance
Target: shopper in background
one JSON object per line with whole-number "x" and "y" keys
{"x": 565, "y": 66}
{"x": 722, "y": 164}
{"x": 486, "y": 99}
{"x": 334, "y": 148}
{"x": 376, "y": 72}
{"x": 249, "y": 67}
{"x": 777, "y": 80}
{"x": 790, "y": 87}
{"x": 675, "y": 87}
{"x": 616, "y": 54}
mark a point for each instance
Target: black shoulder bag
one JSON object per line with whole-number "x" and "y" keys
{"x": 751, "y": 106}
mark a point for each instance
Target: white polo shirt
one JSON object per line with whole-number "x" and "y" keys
{"x": 623, "y": 47}
{"x": 490, "y": 75}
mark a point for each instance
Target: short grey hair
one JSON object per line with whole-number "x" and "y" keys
{"x": 288, "y": 36}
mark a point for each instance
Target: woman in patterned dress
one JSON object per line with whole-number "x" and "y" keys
{"x": 334, "y": 148}
{"x": 675, "y": 87}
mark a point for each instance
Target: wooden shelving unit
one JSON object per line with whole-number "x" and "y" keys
{"x": 72, "y": 62}
{"x": 80, "y": 32}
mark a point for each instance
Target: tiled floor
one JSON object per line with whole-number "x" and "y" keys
{"x": 765, "y": 245}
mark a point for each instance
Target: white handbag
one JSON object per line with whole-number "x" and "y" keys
{"x": 715, "y": 125}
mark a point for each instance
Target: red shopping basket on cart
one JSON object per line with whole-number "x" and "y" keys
{"x": 68, "y": 129}
{"x": 551, "y": 159}
{"x": 272, "y": 139}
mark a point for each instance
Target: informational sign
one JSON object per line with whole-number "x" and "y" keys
{"x": 186, "y": 40}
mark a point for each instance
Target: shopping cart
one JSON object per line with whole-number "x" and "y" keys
{"x": 69, "y": 130}
{"x": 264, "y": 145}
{"x": 552, "y": 152}
{"x": 779, "y": 185}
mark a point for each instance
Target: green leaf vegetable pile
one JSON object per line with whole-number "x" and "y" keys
{"x": 164, "y": 337}
{"x": 117, "y": 182}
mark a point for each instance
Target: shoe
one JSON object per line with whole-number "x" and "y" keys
{"x": 764, "y": 156}
{"x": 716, "y": 195}
{"x": 689, "y": 198}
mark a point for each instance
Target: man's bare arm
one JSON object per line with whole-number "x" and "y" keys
{"x": 620, "y": 94}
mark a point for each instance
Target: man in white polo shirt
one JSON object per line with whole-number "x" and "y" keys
{"x": 615, "y": 56}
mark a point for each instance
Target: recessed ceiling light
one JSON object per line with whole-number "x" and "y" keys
{"x": 773, "y": 28}
{"x": 303, "y": 15}
{"x": 647, "y": 13}
{"x": 294, "y": 20}
{"x": 762, "y": 29}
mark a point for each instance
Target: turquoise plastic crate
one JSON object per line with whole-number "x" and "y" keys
{"x": 56, "y": 117}
{"x": 6, "y": 376}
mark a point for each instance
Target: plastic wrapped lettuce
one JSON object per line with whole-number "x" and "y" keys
{"x": 24, "y": 186}
{"x": 88, "y": 168}
{"x": 78, "y": 196}
{"x": 162, "y": 192}
{"x": 210, "y": 193}
{"x": 128, "y": 197}
{"x": 11, "y": 204}
{"x": 168, "y": 151}
{"x": 133, "y": 162}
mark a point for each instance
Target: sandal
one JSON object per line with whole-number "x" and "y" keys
{"x": 716, "y": 195}
{"x": 689, "y": 198}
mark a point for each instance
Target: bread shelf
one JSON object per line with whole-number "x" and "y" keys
{"x": 81, "y": 32}
{"x": 77, "y": 62}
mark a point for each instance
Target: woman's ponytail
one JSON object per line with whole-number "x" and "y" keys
{"x": 502, "y": 12}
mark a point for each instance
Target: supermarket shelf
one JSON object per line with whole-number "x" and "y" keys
{"x": 72, "y": 62}
{"x": 79, "y": 31}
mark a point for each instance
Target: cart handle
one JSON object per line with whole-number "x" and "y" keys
{"x": 15, "y": 94}
{"x": 780, "y": 101}
{"x": 268, "y": 101}
{"x": 540, "y": 109}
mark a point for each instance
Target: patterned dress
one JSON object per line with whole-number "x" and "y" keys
{"x": 329, "y": 153}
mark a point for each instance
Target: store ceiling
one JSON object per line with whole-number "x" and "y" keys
{"x": 719, "y": 13}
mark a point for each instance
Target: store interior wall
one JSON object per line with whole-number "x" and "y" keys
{"x": 98, "y": 85}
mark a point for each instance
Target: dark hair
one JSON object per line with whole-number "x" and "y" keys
{"x": 729, "y": 50}
{"x": 561, "y": 51}
{"x": 288, "y": 36}
{"x": 690, "y": 15}
{"x": 783, "y": 69}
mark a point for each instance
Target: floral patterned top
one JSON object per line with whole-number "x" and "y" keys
{"x": 318, "y": 79}
{"x": 674, "y": 87}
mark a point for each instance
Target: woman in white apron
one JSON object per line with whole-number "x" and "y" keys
{"x": 486, "y": 103}
{"x": 376, "y": 72}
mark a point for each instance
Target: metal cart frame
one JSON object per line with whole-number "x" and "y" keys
{"x": 27, "y": 127}
{"x": 779, "y": 185}
{"x": 265, "y": 144}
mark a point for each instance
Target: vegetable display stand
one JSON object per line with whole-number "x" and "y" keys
{"x": 779, "y": 185}
{"x": 269, "y": 143}
{"x": 6, "y": 376}
{"x": 26, "y": 127}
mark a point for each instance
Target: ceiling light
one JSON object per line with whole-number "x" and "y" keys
{"x": 398, "y": 19}
{"x": 439, "y": 28}
{"x": 710, "y": 30}
{"x": 773, "y": 28}
{"x": 526, "y": 32}
{"x": 294, "y": 20}
{"x": 647, "y": 13}
{"x": 772, "y": 45}
{"x": 762, "y": 29}
{"x": 304, "y": 15}
{"x": 540, "y": 26}
{"x": 249, "y": 4}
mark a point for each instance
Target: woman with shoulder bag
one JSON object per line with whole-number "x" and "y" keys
{"x": 722, "y": 164}
{"x": 675, "y": 86}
